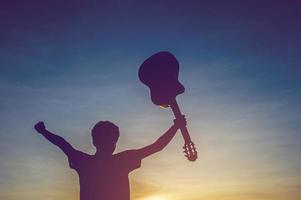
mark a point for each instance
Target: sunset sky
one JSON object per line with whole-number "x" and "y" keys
{"x": 74, "y": 63}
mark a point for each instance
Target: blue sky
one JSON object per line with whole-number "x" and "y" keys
{"x": 72, "y": 64}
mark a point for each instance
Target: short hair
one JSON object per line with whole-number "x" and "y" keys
{"x": 106, "y": 130}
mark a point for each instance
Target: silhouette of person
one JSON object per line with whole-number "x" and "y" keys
{"x": 104, "y": 175}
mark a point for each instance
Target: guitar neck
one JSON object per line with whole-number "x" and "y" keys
{"x": 177, "y": 113}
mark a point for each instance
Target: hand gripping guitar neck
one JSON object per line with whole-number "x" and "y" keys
{"x": 160, "y": 73}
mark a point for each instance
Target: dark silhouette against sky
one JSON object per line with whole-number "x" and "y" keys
{"x": 74, "y": 63}
{"x": 104, "y": 176}
{"x": 160, "y": 72}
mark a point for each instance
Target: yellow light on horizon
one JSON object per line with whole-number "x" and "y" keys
{"x": 157, "y": 197}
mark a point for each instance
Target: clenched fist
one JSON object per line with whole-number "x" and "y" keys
{"x": 40, "y": 127}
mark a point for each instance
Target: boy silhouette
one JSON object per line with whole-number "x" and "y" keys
{"x": 104, "y": 175}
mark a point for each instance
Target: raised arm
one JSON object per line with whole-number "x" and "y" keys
{"x": 55, "y": 139}
{"x": 162, "y": 141}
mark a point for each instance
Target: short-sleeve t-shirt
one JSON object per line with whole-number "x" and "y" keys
{"x": 104, "y": 178}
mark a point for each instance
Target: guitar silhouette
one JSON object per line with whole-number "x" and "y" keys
{"x": 160, "y": 73}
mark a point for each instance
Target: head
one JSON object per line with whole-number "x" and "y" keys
{"x": 105, "y": 135}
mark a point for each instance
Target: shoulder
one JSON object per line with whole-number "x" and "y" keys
{"x": 80, "y": 154}
{"x": 77, "y": 158}
{"x": 130, "y": 159}
{"x": 126, "y": 153}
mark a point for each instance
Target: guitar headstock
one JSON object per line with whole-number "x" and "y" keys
{"x": 190, "y": 151}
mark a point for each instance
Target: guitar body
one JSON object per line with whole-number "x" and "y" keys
{"x": 160, "y": 73}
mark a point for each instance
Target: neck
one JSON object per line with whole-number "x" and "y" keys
{"x": 102, "y": 153}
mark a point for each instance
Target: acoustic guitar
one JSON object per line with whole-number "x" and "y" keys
{"x": 160, "y": 73}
